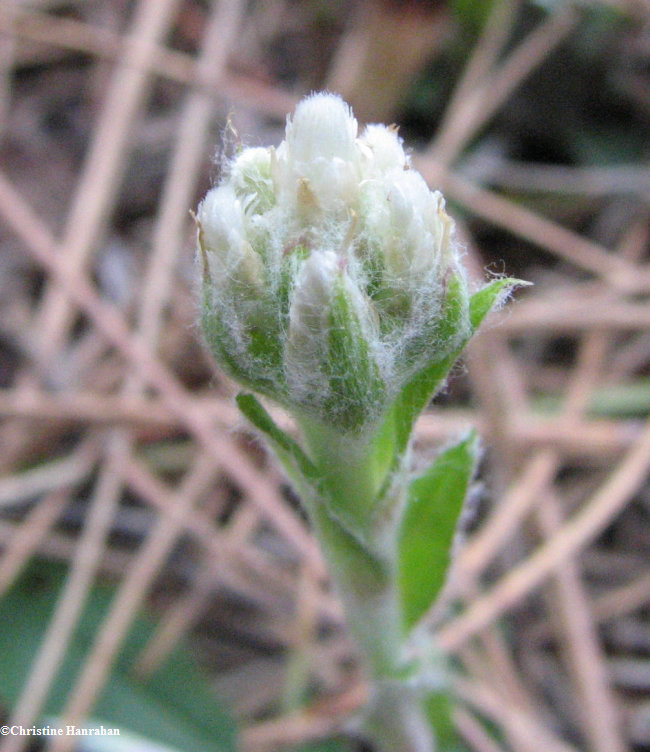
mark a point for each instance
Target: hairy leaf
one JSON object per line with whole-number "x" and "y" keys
{"x": 435, "y": 501}
{"x": 296, "y": 463}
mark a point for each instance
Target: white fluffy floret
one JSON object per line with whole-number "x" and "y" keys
{"x": 323, "y": 127}
{"x": 316, "y": 168}
{"x": 382, "y": 151}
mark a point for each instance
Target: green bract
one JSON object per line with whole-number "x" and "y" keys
{"x": 326, "y": 266}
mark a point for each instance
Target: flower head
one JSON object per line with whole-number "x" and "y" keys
{"x": 326, "y": 268}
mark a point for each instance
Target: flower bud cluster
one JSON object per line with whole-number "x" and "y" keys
{"x": 325, "y": 267}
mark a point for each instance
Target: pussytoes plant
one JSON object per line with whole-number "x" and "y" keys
{"x": 333, "y": 285}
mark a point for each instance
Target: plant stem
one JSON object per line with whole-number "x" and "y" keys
{"x": 366, "y": 585}
{"x": 396, "y": 720}
{"x": 349, "y": 470}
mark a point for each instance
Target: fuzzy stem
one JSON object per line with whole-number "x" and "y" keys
{"x": 352, "y": 471}
{"x": 366, "y": 580}
{"x": 366, "y": 585}
{"x": 395, "y": 720}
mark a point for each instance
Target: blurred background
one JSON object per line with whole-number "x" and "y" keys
{"x": 156, "y": 571}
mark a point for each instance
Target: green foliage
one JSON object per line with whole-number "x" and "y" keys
{"x": 416, "y": 394}
{"x": 295, "y": 462}
{"x": 483, "y": 301}
{"x": 439, "y": 709}
{"x": 472, "y": 14}
{"x": 175, "y": 706}
{"x": 435, "y": 501}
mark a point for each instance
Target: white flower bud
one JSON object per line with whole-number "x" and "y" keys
{"x": 382, "y": 151}
{"x": 330, "y": 363}
{"x": 318, "y": 165}
{"x": 224, "y": 240}
{"x": 221, "y": 218}
{"x": 326, "y": 267}
{"x": 323, "y": 127}
{"x": 308, "y": 325}
{"x": 251, "y": 180}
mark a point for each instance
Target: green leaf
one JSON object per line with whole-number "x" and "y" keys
{"x": 396, "y": 429}
{"x": 175, "y": 706}
{"x": 439, "y": 708}
{"x": 219, "y": 340}
{"x": 482, "y": 302}
{"x": 352, "y": 562}
{"x": 296, "y": 463}
{"x": 416, "y": 394}
{"x": 434, "y": 503}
